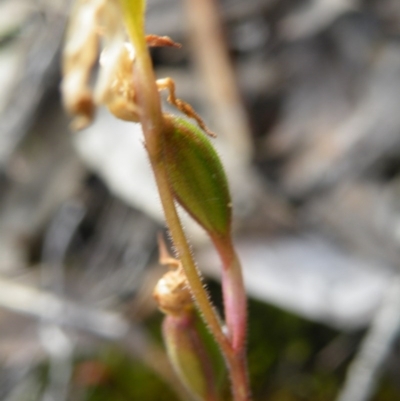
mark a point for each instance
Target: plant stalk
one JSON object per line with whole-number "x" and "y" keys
{"x": 154, "y": 129}
{"x": 239, "y": 376}
{"x": 234, "y": 293}
{"x": 235, "y": 310}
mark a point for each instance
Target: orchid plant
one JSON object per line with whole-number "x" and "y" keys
{"x": 187, "y": 170}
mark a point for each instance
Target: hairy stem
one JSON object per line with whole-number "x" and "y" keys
{"x": 234, "y": 294}
{"x": 154, "y": 128}
{"x": 182, "y": 247}
{"x": 239, "y": 376}
{"x": 235, "y": 307}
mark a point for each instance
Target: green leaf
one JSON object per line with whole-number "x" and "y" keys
{"x": 196, "y": 176}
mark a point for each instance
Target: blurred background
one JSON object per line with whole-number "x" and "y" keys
{"x": 305, "y": 98}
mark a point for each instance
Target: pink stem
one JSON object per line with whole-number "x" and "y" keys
{"x": 234, "y": 294}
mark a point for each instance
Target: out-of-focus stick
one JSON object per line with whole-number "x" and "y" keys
{"x": 364, "y": 372}
{"x": 212, "y": 58}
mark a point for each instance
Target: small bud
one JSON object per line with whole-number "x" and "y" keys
{"x": 172, "y": 293}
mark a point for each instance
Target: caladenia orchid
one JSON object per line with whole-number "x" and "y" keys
{"x": 187, "y": 171}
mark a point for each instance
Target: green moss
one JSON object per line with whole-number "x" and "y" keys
{"x": 129, "y": 380}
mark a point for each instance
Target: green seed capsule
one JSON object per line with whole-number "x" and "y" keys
{"x": 188, "y": 355}
{"x": 196, "y": 176}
